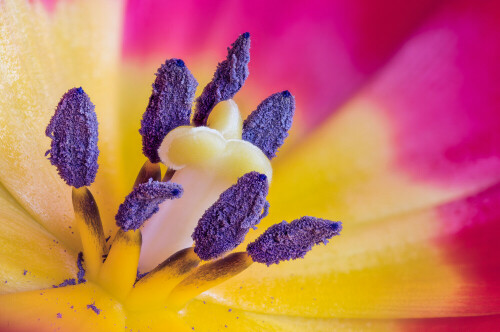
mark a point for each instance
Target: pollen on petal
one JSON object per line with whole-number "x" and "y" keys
{"x": 81, "y": 271}
{"x": 285, "y": 241}
{"x": 267, "y": 126}
{"x": 73, "y": 130}
{"x": 143, "y": 202}
{"x": 224, "y": 225}
{"x": 169, "y": 105}
{"x": 228, "y": 79}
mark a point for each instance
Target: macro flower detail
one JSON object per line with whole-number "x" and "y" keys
{"x": 217, "y": 148}
{"x": 394, "y": 133}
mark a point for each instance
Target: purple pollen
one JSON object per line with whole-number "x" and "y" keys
{"x": 81, "y": 271}
{"x": 169, "y": 105}
{"x": 228, "y": 79}
{"x": 224, "y": 225}
{"x": 267, "y": 126}
{"x": 285, "y": 241}
{"x": 143, "y": 202}
{"x": 67, "y": 282}
{"x": 73, "y": 130}
{"x": 94, "y": 308}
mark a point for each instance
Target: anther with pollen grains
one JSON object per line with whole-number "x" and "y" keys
{"x": 267, "y": 126}
{"x": 224, "y": 225}
{"x": 228, "y": 79}
{"x": 73, "y": 130}
{"x": 143, "y": 202}
{"x": 285, "y": 241}
{"x": 169, "y": 105}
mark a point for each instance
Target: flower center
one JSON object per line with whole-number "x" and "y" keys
{"x": 213, "y": 192}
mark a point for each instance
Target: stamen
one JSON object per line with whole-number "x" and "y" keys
{"x": 154, "y": 288}
{"x": 148, "y": 171}
{"x": 118, "y": 272}
{"x": 143, "y": 202}
{"x": 168, "y": 175}
{"x": 169, "y": 105}
{"x": 228, "y": 79}
{"x": 91, "y": 232}
{"x": 224, "y": 225}
{"x": 73, "y": 130}
{"x": 285, "y": 241}
{"x": 208, "y": 276}
{"x": 267, "y": 126}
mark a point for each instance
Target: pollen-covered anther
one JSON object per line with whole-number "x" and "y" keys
{"x": 267, "y": 126}
{"x": 228, "y": 79}
{"x": 143, "y": 202}
{"x": 224, "y": 225}
{"x": 169, "y": 105}
{"x": 285, "y": 241}
{"x": 73, "y": 130}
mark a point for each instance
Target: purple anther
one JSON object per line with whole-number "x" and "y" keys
{"x": 169, "y": 105}
{"x": 143, "y": 202}
{"x": 267, "y": 126}
{"x": 285, "y": 241}
{"x": 73, "y": 130}
{"x": 228, "y": 79}
{"x": 224, "y": 225}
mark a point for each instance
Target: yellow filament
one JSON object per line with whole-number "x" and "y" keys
{"x": 119, "y": 271}
{"x": 226, "y": 119}
{"x": 206, "y": 277}
{"x": 148, "y": 171}
{"x": 154, "y": 288}
{"x": 90, "y": 228}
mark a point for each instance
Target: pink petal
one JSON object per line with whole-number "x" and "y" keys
{"x": 322, "y": 51}
{"x": 442, "y": 93}
{"x": 474, "y": 246}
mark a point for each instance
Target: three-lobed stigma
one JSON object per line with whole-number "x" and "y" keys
{"x": 214, "y": 190}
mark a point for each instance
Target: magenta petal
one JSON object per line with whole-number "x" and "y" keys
{"x": 322, "y": 51}
{"x": 442, "y": 90}
{"x": 469, "y": 324}
{"x": 475, "y": 222}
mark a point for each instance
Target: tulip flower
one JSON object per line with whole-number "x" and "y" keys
{"x": 395, "y": 134}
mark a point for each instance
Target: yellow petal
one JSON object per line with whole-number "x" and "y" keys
{"x": 42, "y": 55}
{"x": 392, "y": 268}
{"x": 25, "y": 245}
{"x": 346, "y": 170}
{"x": 37, "y": 310}
{"x": 206, "y": 316}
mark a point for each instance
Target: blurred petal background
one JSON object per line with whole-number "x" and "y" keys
{"x": 397, "y": 134}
